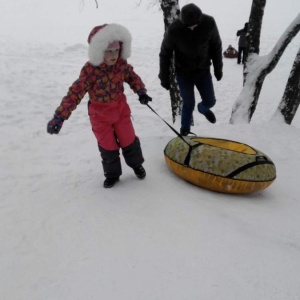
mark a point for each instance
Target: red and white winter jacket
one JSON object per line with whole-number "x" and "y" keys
{"x": 103, "y": 83}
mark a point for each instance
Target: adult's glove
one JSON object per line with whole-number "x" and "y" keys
{"x": 164, "y": 80}
{"x": 144, "y": 99}
{"x": 218, "y": 75}
{"x": 54, "y": 125}
{"x": 165, "y": 85}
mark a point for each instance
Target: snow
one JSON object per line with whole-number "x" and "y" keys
{"x": 63, "y": 236}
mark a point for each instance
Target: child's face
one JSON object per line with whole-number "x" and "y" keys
{"x": 111, "y": 56}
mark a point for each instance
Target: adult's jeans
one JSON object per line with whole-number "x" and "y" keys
{"x": 241, "y": 55}
{"x": 205, "y": 87}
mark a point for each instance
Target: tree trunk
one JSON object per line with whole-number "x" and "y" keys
{"x": 170, "y": 10}
{"x": 291, "y": 97}
{"x": 258, "y": 68}
{"x": 254, "y": 30}
{"x": 255, "y": 23}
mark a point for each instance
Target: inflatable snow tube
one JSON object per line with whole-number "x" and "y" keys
{"x": 220, "y": 165}
{"x": 231, "y": 55}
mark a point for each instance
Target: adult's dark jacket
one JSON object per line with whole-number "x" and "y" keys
{"x": 242, "y": 33}
{"x": 194, "y": 49}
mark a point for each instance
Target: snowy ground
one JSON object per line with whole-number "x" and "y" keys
{"x": 63, "y": 236}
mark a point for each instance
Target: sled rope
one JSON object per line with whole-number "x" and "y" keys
{"x": 188, "y": 156}
{"x": 172, "y": 128}
{"x": 191, "y": 147}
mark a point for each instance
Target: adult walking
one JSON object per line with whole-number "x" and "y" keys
{"x": 195, "y": 40}
{"x": 242, "y": 33}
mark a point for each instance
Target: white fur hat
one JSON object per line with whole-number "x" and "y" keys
{"x": 101, "y": 36}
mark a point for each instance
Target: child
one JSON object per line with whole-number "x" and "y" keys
{"x": 230, "y": 52}
{"x": 103, "y": 77}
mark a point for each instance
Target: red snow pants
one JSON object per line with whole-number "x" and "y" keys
{"x": 111, "y": 123}
{"x": 113, "y": 129}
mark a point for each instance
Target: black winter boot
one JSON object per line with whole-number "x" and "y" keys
{"x": 210, "y": 116}
{"x": 133, "y": 154}
{"x": 111, "y": 162}
{"x": 110, "y": 182}
{"x": 184, "y": 132}
{"x": 139, "y": 171}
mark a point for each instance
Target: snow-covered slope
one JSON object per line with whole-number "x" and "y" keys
{"x": 63, "y": 236}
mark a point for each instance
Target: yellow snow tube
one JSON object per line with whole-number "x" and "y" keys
{"x": 220, "y": 165}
